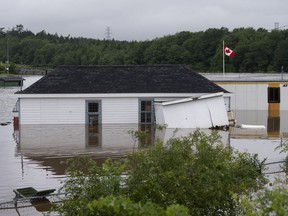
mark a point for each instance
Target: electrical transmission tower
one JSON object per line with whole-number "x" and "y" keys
{"x": 276, "y": 25}
{"x": 108, "y": 33}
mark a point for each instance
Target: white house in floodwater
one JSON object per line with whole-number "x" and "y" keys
{"x": 109, "y": 94}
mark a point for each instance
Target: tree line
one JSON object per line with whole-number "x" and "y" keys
{"x": 257, "y": 50}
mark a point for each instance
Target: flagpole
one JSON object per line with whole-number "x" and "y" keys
{"x": 223, "y": 52}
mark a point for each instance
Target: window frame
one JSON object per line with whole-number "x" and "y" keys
{"x": 146, "y": 112}
{"x": 99, "y": 113}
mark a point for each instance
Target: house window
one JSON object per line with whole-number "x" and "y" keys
{"x": 273, "y": 95}
{"x": 93, "y": 113}
{"x": 93, "y": 107}
{"x": 146, "y": 112}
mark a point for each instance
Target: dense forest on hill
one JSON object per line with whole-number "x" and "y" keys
{"x": 256, "y": 50}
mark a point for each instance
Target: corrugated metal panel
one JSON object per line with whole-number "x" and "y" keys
{"x": 52, "y": 111}
{"x": 119, "y": 110}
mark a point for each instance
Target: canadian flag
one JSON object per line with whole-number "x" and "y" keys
{"x": 229, "y": 52}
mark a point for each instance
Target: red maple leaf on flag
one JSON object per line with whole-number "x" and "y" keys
{"x": 229, "y": 52}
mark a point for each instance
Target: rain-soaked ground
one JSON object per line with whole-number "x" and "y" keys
{"x": 31, "y": 155}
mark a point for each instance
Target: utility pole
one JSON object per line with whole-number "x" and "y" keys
{"x": 7, "y": 60}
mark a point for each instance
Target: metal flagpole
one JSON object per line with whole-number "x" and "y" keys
{"x": 223, "y": 52}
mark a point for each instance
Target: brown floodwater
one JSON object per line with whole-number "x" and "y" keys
{"x": 31, "y": 155}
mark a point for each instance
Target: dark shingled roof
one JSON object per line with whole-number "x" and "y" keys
{"x": 123, "y": 79}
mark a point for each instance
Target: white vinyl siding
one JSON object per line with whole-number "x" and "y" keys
{"x": 119, "y": 110}
{"x": 52, "y": 111}
{"x": 73, "y": 110}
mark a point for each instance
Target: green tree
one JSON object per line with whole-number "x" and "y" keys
{"x": 2, "y": 68}
{"x": 196, "y": 171}
{"x": 13, "y": 68}
{"x": 281, "y": 56}
{"x": 256, "y": 50}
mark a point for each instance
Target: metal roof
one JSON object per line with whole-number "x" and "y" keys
{"x": 246, "y": 77}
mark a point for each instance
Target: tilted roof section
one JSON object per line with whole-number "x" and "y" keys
{"x": 122, "y": 79}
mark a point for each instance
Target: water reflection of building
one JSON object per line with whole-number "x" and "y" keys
{"x": 77, "y": 139}
{"x": 51, "y": 144}
{"x": 275, "y": 124}
{"x": 74, "y": 139}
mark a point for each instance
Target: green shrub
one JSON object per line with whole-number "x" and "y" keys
{"x": 196, "y": 171}
{"x": 121, "y": 206}
{"x": 2, "y": 69}
{"x": 271, "y": 201}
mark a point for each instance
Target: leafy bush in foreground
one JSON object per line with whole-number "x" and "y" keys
{"x": 196, "y": 171}
{"x": 124, "y": 206}
{"x": 270, "y": 201}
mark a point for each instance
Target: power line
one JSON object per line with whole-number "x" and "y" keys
{"x": 277, "y": 27}
{"x": 283, "y": 26}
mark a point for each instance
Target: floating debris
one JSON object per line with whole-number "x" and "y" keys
{"x": 244, "y": 126}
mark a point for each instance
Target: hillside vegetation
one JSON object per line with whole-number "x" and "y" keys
{"x": 256, "y": 50}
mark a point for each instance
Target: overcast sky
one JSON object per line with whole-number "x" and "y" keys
{"x": 140, "y": 19}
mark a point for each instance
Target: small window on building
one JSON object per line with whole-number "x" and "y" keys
{"x": 146, "y": 112}
{"x": 273, "y": 95}
{"x": 93, "y": 107}
{"x": 93, "y": 112}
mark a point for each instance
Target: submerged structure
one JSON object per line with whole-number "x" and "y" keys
{"x": 259, "y": 98}
{"x": 11, "y": 81}
{"x": 96, "y": 95}
{"x": 207, "y": 111}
